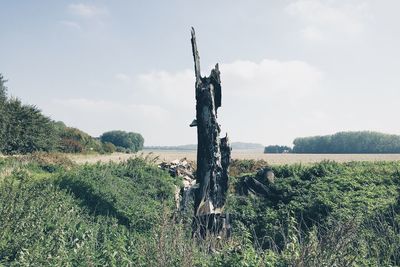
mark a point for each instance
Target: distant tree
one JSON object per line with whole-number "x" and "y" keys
{"x": 127, "y": 140}
{"x": 3, "y": 90}
{"x": 3, "y": 114}
{"x": 277, "y": 149}
{"x": 349, "y": 142}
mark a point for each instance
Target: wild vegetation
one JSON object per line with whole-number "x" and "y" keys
{"x": 53, "y": 212}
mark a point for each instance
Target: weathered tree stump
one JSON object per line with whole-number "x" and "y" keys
{"x": 213, "y": 153}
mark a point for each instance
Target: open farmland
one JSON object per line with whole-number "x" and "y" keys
{"x": 275, "y": 159}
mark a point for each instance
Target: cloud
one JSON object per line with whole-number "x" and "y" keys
{"x": 271, "y": 78}
{"x": 286, "y": 79}
{"x": 87, "y": 11}
{"x": 71, "y": 24}
{"x": 313, "y": 33}
{"x": 256, "y": 95}
{"x": 173, "y": 89}
{"x": 104, "y": 106}
{"x": 269, "y": 90}
{"x": 328, "y": 19}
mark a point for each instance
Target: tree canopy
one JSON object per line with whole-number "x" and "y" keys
{"x": 131, "y": 142}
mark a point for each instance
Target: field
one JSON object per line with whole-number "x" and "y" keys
{"x": 273, "y": 159}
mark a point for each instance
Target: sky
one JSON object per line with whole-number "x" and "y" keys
{"x": 289, "y": 68}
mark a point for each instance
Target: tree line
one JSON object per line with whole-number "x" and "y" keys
{"x": 360, "y": 142}
{"x": 24, "y": 129}
{"x": 349, "y": 142}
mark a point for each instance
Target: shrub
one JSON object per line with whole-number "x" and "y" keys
{"x": 70, "y": 146}
{"x": 72, "y": 140}
{"x": 109, "y": 148}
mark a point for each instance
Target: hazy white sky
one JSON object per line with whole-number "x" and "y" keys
{"x": 289, "y": 68}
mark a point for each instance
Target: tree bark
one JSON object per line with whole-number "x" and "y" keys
{"x": 213, "y": 153}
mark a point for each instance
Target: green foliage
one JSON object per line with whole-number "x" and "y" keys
{"x": 26, "y": 130}
{"x": 349, "y": 142}
{"x": 128, "y": 141}
{"x": 88, "y": 216}
{"x": 339, "y": 201}
{"x": 132, "y": 192}
{"x": 241, "y": 253}
{"x": 52, "y": 230}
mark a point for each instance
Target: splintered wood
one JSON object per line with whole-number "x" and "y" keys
{"x": 213, "y": 153}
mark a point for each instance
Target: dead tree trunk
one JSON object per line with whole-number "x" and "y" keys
{"x": 213, "y": 153}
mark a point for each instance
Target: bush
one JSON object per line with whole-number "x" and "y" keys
{"x": 72, "y": 140}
